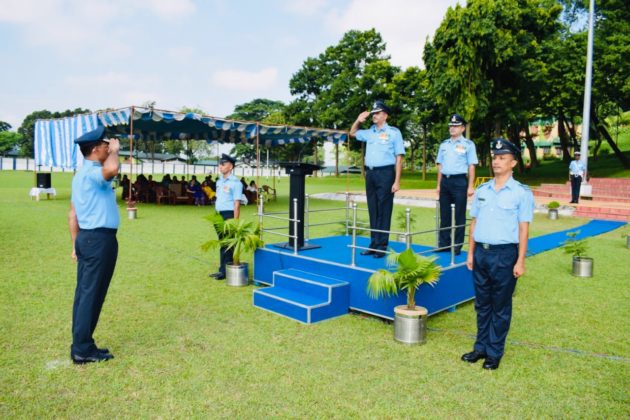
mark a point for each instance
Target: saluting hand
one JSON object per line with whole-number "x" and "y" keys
{"x": 114, "y": 145}
{"x": 363, "y": 116}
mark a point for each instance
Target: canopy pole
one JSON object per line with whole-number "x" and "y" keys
{"x": 130, "y": 156}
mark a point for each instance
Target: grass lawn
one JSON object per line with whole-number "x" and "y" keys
{"x": 188, "y": 346}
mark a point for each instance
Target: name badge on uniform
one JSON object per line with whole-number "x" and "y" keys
{"x": 460, "y": 148}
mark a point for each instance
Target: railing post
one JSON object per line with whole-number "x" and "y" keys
{"x": 452, "y": 234}
{"x": 295, "y": 226}
{"x": 437, "y": 223}
{"x": 306, "y": 226}
{"x": 261, "y": 210}
{"x": 347, "y": 210}
{"x": 354, "y": 233}
{"x": 408, "y": 228}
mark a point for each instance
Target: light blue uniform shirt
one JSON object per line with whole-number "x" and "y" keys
{"x": 383, "y": 145}
{"x": 498, "y": 213}
{"x": 577, "y": 167}
{"x": 455, "y": 156}
{"x": 229, "y": 190}
{"x": 93, "y": 198}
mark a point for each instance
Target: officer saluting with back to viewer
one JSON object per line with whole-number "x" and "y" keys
{"x": 93, "y": 221}
{"x": 501, "y": 212}
{"x": 383, "y": 167}
{"x": 228, "y": 204}
{"x": 456, "y": 162}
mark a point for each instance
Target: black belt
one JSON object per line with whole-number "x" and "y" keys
{"x": 379, "y": 168}
{"x": 102, "y": 230}
{"x": 454, "y": 175}
{"x": 500, "y": 246}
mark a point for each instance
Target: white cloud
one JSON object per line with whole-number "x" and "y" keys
{"x": 72, "y": 25}
{"x": 246, "y": 80}
{"x": 403, "y": 24}
{"x": 305, "y": 7}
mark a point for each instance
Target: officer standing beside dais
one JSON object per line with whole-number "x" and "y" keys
{"x": 228, "y": 204}
{"x": 456, "y": 160}
{"x": 501, "y": 212}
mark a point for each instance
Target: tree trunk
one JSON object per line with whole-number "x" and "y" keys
{"x": 599, "y": 126}
{"x": 424, "y": 155}
{"x": 337, "y": 160}
{"x": 529, "y": 142}
{"x": 564, "y": 141}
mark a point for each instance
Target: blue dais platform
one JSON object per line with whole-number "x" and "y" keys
{"x": 318, "y": 284}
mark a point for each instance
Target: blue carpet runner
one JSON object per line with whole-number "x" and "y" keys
{"x": 554, "y": 240}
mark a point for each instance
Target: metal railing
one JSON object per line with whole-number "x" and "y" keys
{"x": 352, "y": 225}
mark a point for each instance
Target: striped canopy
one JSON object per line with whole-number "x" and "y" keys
{"x": 54, "y": 139}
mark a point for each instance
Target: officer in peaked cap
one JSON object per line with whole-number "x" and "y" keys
{"x": 501, "y": 212}
{"x": 228, "y": 204}
{"x": 456, "y": 160}
{"x": 383, "y": 166}
{"x": 93, "y": 223}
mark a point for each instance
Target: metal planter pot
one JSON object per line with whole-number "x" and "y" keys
{"x": 582, "y": 267}
{"x": 132, "y": 213}
{"x": 553, "y": 214}
{"x": 236, "y": 275}
{"x": 410, "y": 326}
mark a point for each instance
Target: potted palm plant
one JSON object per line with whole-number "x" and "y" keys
{"x": 238, "y": 235}
{"x": 582, "y": 265}
{"x": 401, "y": 224}
{"x": 552, "y": 208}
{"x": 411, "y": 271}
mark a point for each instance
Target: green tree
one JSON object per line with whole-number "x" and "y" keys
{"x": 257, "y": 110}
{"x": 4, "y": 126}
{"x": 9, "y": 140}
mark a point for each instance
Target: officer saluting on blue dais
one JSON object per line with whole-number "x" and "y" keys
{"x": 456, "y": 162}
{"x": 383, "y": 165}
{"x": 501, "y": 212}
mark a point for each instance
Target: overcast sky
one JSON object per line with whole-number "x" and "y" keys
{"x": 210, "y": 54}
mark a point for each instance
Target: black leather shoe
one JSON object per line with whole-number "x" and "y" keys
{"x": 380, "y": 254}
{"x": 368, "y": 252}
{"x": 491, "y": 363}
{"x": 215, "y": 275}
{"x": 95, "y": 358}
{"x": 104, "y": 350}
{"x": 219, "y": 276}
{"x": 473, "y": 356}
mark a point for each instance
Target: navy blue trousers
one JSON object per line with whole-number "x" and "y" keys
{"x": 494, "y": 283}
{"x": 97, "y": 251}
{"x": 576, "y": 182}
{"x": 380, "y": 201}
{"x": 453, "y": 190}
{"x": 225, "y": 255}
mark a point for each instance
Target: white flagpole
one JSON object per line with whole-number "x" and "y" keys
{"x": 586, "y": 113}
